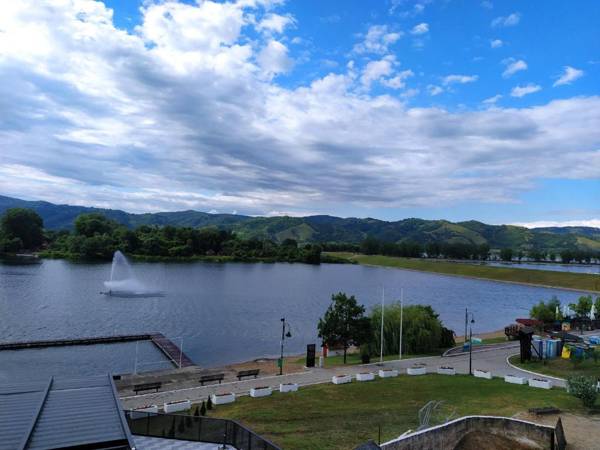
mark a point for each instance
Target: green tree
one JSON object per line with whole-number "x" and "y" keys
{"x": 91, "y": 224}
{"x": 344, "y": 323}
{"x": 24, "y": 224}
{"x": 370, "y": 246}
{"x": 584, "y": 388}
{"x": 546, "y": 312}
{"x": 583, "y": 306}
{"x": 506, "y": 254}
{"x": 422, "y": 331}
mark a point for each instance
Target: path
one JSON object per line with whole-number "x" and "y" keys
{"x": 493, "y": 359}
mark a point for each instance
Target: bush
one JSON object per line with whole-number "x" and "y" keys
{"x": 209, "y": 404}
{"x": 365, "y": 355}
{"x": 203, "y": 408}
{"x": 583, "y": 388}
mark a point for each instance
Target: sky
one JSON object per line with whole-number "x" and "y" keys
{"x": 439, "y": 109}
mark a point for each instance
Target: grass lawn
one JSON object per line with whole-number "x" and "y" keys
{"x": 558, "y": 367}
{"x": 327, "y": 416}
{"x": 587, "y": 282}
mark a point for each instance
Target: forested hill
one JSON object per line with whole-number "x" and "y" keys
{"x": 334, "y": 229}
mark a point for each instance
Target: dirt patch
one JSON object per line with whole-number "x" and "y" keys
{"x": 268, "y": 366}
{"x": 582, "y": 432}
{"x": 477, "y": 440}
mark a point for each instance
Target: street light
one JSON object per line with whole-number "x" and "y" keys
{"x": 471, "y": 342}
{"x": 283, "y": 336}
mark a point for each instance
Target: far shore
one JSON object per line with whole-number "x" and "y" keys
{"x": 578, "y": 282}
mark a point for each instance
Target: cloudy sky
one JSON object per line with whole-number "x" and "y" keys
{"x": 485, "y": 110}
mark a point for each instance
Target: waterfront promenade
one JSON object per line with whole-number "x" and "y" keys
{"x": 188, "y": 388}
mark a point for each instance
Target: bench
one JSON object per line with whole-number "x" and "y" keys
{"x": 214, "y": 377}
{"x": 147, "y": 386}
{"x": 247, "y": 373}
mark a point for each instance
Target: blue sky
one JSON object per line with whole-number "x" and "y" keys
{"x": 482, "y": 110}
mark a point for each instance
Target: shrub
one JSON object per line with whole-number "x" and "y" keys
{"x": 203, "y": 408}
{"x": 365, "y": 356}
{"x": 209, "y": 404}
{"x": 583, "y": 388}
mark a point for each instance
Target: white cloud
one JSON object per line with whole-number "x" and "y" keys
{"x": 569, "y": 75}
{"x": 377, "y": 70}
{"x": 377, "y": 40}
{"x": 274, "y": 59}
{"x": 507, "y": 21}
{"x": 492, "y": 100}
{"x": 496, "y": 43}
{"x": 398, "y": 82}
{"x": 594, "y": 223}
{"x": 182, "y": 114}
{"x": 434, "y": 90}
{"x": 459, "y": 79}
{"x": 513, "y": 67}
{"x": 521, "y": 91}
{"x": 421, "y": 28}
{"x": 275, "y": 23}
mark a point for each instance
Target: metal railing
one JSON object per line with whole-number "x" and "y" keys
{"x": 196, "y": 428}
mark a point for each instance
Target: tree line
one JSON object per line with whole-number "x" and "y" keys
{"x": 458, "y": 250}
{"x": 96, "y": 237}
{"x": 346, "y": 323}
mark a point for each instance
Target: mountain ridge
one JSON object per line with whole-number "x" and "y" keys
{"x": 327, "y": 228}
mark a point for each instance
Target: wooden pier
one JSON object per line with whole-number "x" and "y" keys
{"x": 171, "y": 351}
{"x": 164, "y": 344}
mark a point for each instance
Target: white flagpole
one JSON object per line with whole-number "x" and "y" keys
{"x": 401, "y": 311}
{"x": 381, "y": 337}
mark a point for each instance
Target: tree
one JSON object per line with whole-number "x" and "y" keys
{"x": 422, "y": 331}
{"x": 92, "y": 224}
{"x": 203, "y": 409}
{"x": 344, "y": 323}
{"x": 370, "y": 246}
{"x": 583, "y": 306}
{"x": 506, "y": 254}
{"x": 546, "y": 312}
{"x": 584, "y": 388}
{"x": 23, "y": 224}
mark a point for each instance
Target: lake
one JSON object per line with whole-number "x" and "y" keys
{"x": 221, "y": 313}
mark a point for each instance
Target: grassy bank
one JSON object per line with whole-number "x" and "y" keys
{"x": 558, "y": 367}
{"x": 567, "y": 280}
{"x": 326, "y": 416}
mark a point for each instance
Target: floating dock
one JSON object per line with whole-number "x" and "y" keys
{"x": 164, "y": 344}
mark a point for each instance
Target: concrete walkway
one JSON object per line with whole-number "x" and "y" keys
{"x": 494, "y": 360}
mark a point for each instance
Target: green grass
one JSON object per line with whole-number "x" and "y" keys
{"x": 558, "y": 367}
{"x": 569, "y": 280}
{"x": 327, "y": 416}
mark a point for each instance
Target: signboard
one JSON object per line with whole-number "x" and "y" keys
{"x": 310, "y": 355}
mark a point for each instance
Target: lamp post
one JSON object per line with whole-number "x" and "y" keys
{"x": 283, "y": 336}
{"x": 471, "y": 343}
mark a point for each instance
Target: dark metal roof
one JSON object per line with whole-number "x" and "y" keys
{"x": 62, "y": 413}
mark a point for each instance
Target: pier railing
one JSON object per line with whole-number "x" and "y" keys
{"x": 196, "y": 428}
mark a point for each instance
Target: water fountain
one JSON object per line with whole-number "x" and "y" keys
{"x": 123, "y": 282}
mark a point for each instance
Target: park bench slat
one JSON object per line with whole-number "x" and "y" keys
{"x": 248, "y": 373}
{"x": 214, "y": 377}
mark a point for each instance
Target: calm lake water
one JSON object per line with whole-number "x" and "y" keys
{"x": 222, "y": 312}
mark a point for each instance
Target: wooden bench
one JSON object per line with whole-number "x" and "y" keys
{"x": 214, "y": 377}
{"x": 247, "y": 373}
{"x": 147, "y": 386}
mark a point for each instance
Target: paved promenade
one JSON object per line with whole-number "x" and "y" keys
{"x": 493, "y": 360}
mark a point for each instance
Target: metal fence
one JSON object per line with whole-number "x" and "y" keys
{"x": 196, "y": 428}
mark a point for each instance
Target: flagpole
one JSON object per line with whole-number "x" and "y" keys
{"x": 381, "y": 337}
{"x": 401, "y": 311}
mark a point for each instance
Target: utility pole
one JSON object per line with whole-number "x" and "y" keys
{"x": 381, "y": 337}
{"x": 401, "y": 312}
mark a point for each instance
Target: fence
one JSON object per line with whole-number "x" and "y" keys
{"x": 196, "y": 428}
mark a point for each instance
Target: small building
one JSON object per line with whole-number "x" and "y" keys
{"x": 63, "y": 413}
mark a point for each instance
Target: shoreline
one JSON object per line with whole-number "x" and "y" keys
{"x": 596, "y": 291}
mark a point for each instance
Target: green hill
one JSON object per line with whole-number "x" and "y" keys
{"x": 325, "y": 228}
